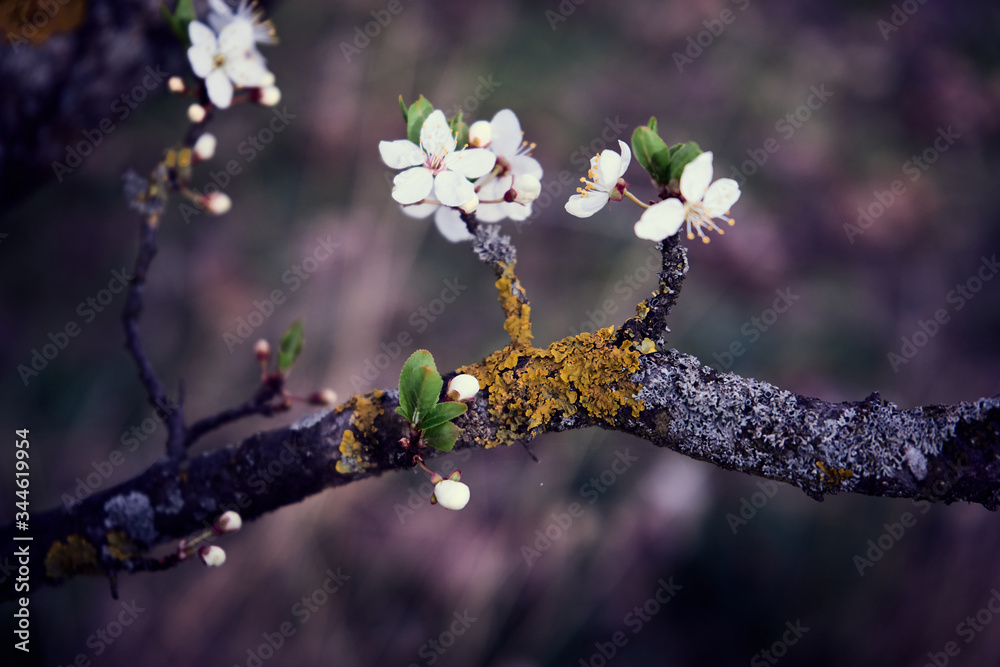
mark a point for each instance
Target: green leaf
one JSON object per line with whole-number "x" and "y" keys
{"x": 179, "y": 19}
{"x": 651, "y": 151}
{"x": 291, "y": 346}
{"x": 441, "y": 413}
{"x": 411, "y": 381}
{"x": 460, "y": 130}
{"x": 402, "y": 105}
{"x": 430, "y": 389}
{"x": 442, "y": 437}
{"x": 681, "y": 157}
{"x": 415, "y": 117}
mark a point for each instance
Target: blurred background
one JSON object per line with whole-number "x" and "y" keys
{"x": 608, "y": 549}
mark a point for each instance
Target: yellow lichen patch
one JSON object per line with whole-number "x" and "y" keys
{"x": 35, "y": 21}
{"x": 646, "y": 346}
{"x": 833, "y": 475}
{"x": 642, "y": 310}
{"x": 76, "y": 556}
{"x": 120, "y": 546}
{"x": 366, "y": 409}
{"x": 518, "y": 322}
{"x": 529, "y": 387}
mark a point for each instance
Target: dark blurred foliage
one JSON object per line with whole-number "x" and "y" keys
{"x": 665, "y": 516}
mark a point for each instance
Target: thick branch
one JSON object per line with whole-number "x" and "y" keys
{"x": 941, "y": 453}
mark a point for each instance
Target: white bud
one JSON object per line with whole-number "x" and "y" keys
{"x": 218, "y": 203}
{"x": 324, "y": 397}
{"x": 463, "y": 387}
{"x": 212, "y": 556}
{"x": 176, "y": 84}
{"x": 262, "y": 350}
{"x": 526, "y": 189}
{"x": 269, "y": 96}
{"x": 196, "y": 113}
{"x": 471, "y": 205}
{"x": 451, "y": 495}
{"x": 204, "y": 147}
{"x": 480, "y": 134}
{"x": 229, "y": 522}
{"x": 267, "y": 80}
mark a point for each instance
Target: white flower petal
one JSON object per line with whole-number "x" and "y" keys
{"x": 507, "y": 135}
{"x": 421, "y": 210}
{"x": 412, "y": 185}
{"x": 202, "y": 59}
{"x": 584, "y": 207}
{"x": 660, "y": 220}
{"x": 471, "y": 162}
{"x": 463, "y": 387}
{"x": 435, "y": 135}
{"x": 246, "y": 72}
{"x": 608, "y": 165}
{"x": 626, "y": 158}
{"x": 220, "y": 88}
{"x": 452, "y": 188}
{"x": 525, "y": 165}
{"x": 490, "y": 212}
{"x": 720, "y": 196}
{"x": 696, "y": 176}
{"x": 480, "y": 133}
{"x": 201, "y": 35}
{"x": 236, "y": 38}
{"x": 449, "y": 222}
{"x": 515, "y": 211}
{"x": 400, "y": 154}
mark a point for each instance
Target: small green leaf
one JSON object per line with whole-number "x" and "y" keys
{"x": 178, "y": 20}
{"x": 652, "y": 124}
{"x": 652, "y": 153}
{"x": 441, "y": 413}
{"x": 442, "y": 437}
{"x": 681, "y": 158}
{"x": 402, "y": 105}
{"x": 415, "y": 117}
{"x": 430, "y": 389}
{"x": 410, "y": 380}
{"x": 291, "y": 346}
{"x": 403, "y": 413}
{"x": 461, "y": 131}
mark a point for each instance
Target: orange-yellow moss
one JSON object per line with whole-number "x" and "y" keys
{"x": 518, "y": 322}
{"x": 76, "y": 556}
{"x": 833, "y": 475}
{"x": 120, "y": 546}
{"x": 529, "y": 387}
{"x": 366, "y": 409}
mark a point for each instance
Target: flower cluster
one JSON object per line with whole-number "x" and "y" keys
{"x": 492, "y": 176}
{"x": 224, "y": 52}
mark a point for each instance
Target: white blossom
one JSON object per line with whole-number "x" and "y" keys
{"x": 451, "y": 495}
{"x": 605, "y": 174}
{"x": 505, "y": 139}
{"x": 227, "y": 59}
{"x": 702, "y": 202}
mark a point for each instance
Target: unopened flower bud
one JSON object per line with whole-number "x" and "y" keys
{"x": 217, "y": 203}
{"x": 526, "y": 189}
{"x": 262, "y": 350}
{"x": 471, "y": 205}
{"x": 269, "y": 96}
{"x": 212, "y": 556}
{"x": 463, "y": 387}
{"x": 323, "y": 397}
{"x": 268, "y": 79}
{"x": 176, "y": 85}
{"x": 204, "y": 148}
{"x": 196, "y": 113}
{"x": 480, "y": 134}
{"x": 451, "y": 495}
{"x": 229, "y": 522}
